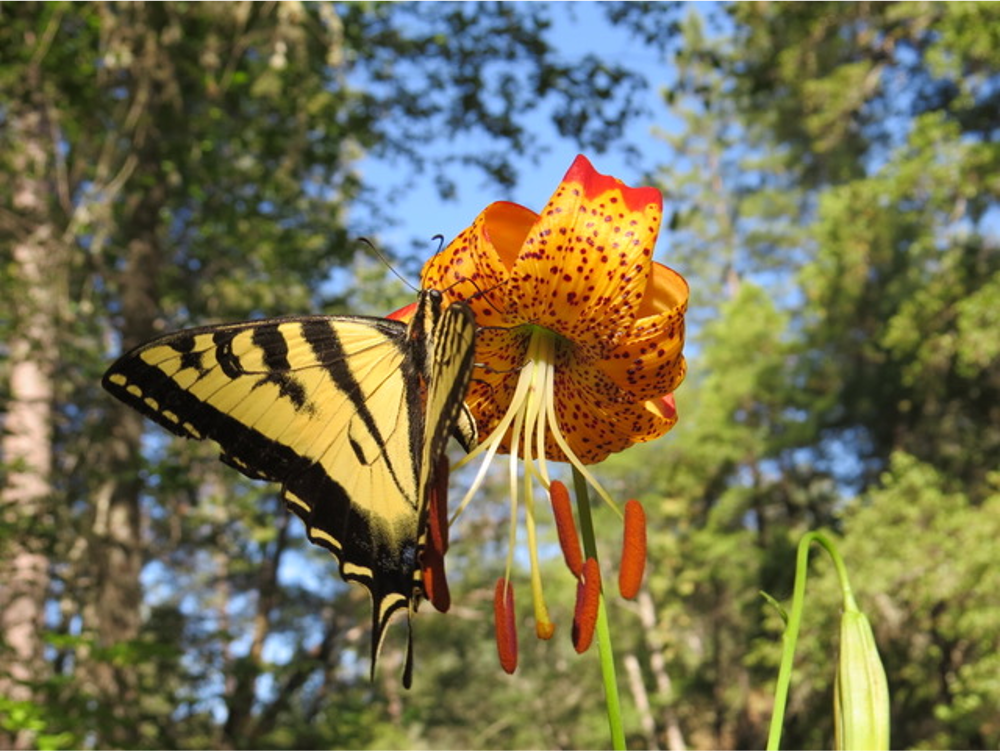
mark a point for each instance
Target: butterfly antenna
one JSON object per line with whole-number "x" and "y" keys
{"x": 481, "y": 293}
{"x": 382, "y": 257}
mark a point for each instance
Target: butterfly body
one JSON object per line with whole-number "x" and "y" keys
{"x": 350, "y": 414}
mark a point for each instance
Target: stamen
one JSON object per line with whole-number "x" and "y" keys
{"x": 545, "y": 356}
{"x": 513, "y": 488}
{"x": 528, "y": 415}
{"x": 566, "y": 531}
{"x": 438, "y": 513}
{"x": 544, "y": 627}
{"x": 504, "y": 625}
{"x": 586, "y": 606}
{"x": 634, "y": 558}
{"x": 436, "y": 587}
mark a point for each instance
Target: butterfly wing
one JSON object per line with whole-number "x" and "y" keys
{"x": 347, "y": 413}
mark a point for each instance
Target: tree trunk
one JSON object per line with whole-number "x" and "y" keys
{"x": 116, "y": 553}
{"x": 27, "y": 437}
{"x": 116, "y": 546}
{"x": 674, "y": 739}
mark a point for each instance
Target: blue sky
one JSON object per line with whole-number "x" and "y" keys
{"x": 422, "y": 214}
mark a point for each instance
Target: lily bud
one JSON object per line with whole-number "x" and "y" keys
{"x": 862, "y": 703}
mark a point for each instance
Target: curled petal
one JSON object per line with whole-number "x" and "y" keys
{"x": 476, "y": 266}
{"x": 403, "y": 314}
{"x": 664, "y": 407}
{"x": 596, "y": 426}
{"x": 649, "y": 362}
{"x": 667, "y": 291}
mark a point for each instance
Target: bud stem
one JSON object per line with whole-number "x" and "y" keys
{"x": 792, "y": 629}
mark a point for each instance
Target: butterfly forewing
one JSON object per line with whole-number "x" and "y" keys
{"x": 349, "y": 414}
{"x": 448, "y": 366}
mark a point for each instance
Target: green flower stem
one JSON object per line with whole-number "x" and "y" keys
{"x": 602, "y": 626}
{"x": 793, "y": 626}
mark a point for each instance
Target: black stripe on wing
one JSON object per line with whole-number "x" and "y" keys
{"x": 331, "y": 518}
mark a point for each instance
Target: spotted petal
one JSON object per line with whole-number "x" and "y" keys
{"x": 581, "y": 270}
{"x": 584, "y": 266}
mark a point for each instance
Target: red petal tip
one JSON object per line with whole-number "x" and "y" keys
{"x": 594, "y": 184}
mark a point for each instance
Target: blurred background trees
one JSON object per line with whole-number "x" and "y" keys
{"x": 832, "y": 195}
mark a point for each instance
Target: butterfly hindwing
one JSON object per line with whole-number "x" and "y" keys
{"x": 349, "y": 414}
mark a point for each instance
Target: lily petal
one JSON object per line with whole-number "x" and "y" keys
{"x": 583, "y": 269}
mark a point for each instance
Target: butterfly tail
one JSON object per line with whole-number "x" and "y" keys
{"x": 409, "y": 659}
{"x": 382, "y": 614}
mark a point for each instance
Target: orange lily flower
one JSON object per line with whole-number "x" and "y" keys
{"x": 572, "y": 297}
{"x": 579, "y": 345}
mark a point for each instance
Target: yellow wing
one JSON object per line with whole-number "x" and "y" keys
{"x": 350, "y": 414}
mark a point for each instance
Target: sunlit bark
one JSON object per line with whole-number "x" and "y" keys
{"x": 27, "y": 436}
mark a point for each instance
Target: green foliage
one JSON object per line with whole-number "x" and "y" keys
{"x": 32, "y": 717}
{"x": 934, "y": 605}
{"x": 836, "y": 185}
{"x": 831, "y": 176}
{"x": 191, "y": 163}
